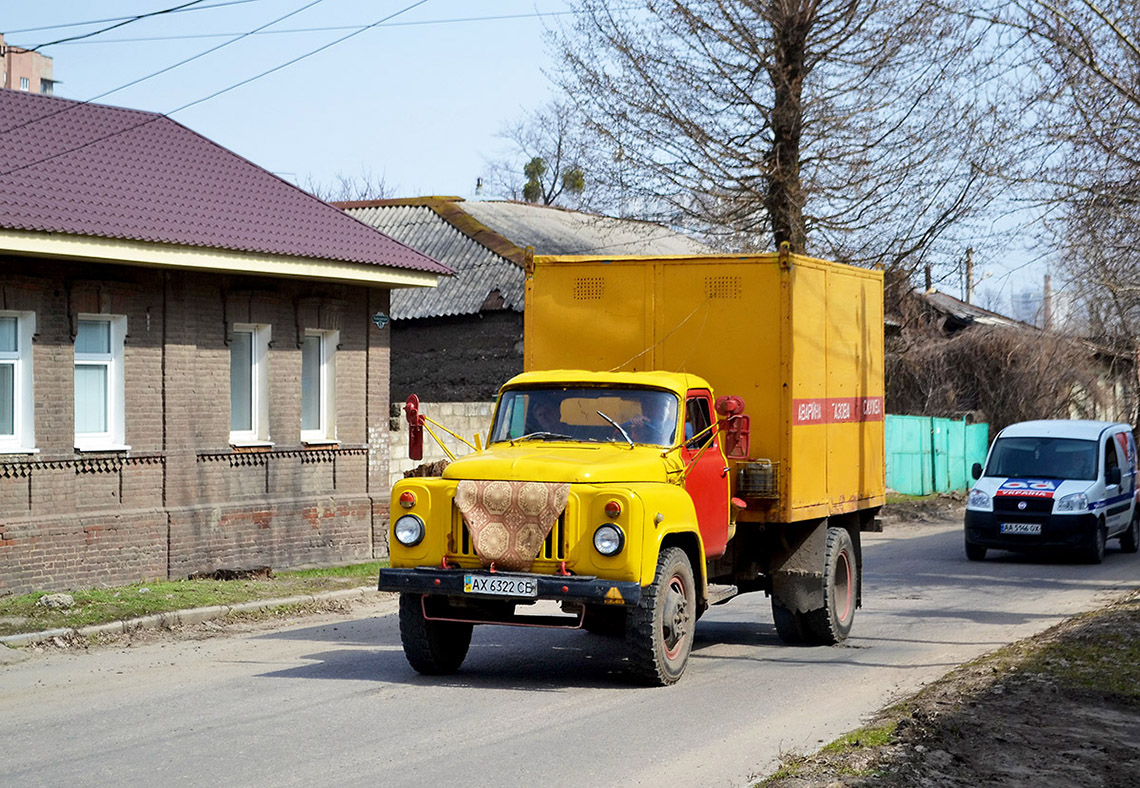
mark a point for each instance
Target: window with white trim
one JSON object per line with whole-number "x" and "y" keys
{"x": 100, "y": 422}
{"x": 16, "y": 391}
{"x": 318, "y": 386}
{"x": 249, "y": 384}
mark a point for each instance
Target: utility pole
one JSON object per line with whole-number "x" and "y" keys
{"x": 1047, "y": 304}
{"x": 969, "y": 275}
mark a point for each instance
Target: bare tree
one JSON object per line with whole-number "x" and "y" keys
{"x": 862, "y": 130}
{"x": 551, "y": 160}
{"x": 1084, "y": 95}
{"x": 345, "y": 188}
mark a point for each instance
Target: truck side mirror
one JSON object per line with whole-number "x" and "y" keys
{"x": 735, "y": 427}
{"x": 977, "y": 470}
{"x": 415, "y": 428}
{"x": 1112, "y": 476}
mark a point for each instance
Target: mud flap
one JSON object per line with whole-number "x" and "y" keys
{"x": 797, "y": 571}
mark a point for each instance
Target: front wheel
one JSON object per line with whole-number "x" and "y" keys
{"x": 975, "y": 552}
{"x": 1094, "y": 553}
{"x": 659, "y": 630}
{"x": 434, "y": 648}
{"x": 1130, "y": 539}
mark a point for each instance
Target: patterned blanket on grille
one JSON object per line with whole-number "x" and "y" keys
{"x": 509, "y": 521}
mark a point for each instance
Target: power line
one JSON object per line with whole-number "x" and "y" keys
{"x": 119, "y": 24}
{"x": 157, "y": 117}
{"x": 300, "y": 57}
{"x": 132, "y": 83}
{"x": 336, "y": 28}
{"x": 121, "y": 18}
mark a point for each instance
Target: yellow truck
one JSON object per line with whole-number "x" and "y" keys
{"x": 688, "y": 429}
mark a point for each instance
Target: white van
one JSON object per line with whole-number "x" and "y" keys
{"x": 1067, "y": 485}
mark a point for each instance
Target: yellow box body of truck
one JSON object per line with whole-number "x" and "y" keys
{"x": 801, "y": 341}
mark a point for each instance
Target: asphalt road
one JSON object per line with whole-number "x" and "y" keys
{"x": 315, "y": 703}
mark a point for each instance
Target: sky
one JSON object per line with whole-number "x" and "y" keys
{"x": 418, "y": 101}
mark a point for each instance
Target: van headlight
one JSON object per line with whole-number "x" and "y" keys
{"x": 1077, "y": 502}
{"x": 978, "y": 500}
{"x": 409, "y": 530}
{"x": 609, "y": 539}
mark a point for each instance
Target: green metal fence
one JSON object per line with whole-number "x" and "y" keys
{"x": 927, "y": 455}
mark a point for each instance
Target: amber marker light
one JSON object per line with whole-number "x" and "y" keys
{"x": 613, "y": 510}
{"x": 407, "y": 499}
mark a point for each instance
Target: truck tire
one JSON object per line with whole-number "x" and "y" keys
{"x": 434, "y": 648}
{"x": 975, "y": 552}
{"x": 1094, "y": 553}
{"x": 659, "y": 630}
{"x": 831, "y": 623}
{"x": 789, "y": 624}
{"x": 1130, "y": 539}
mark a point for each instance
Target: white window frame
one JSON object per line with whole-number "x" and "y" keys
{"x": 326, "y": 431}
{"x": 258, "y": 434}
{"x": 25, "y": 83}
{"x": 114, "y": 438}
{"x": 23, "y": 439}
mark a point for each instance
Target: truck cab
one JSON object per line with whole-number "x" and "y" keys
{"x": 1055, "y": 485}
{"x": 604, "y": 492}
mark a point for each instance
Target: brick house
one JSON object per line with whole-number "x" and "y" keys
{"x": 193, "y": 356}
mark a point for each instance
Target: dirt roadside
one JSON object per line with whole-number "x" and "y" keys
{"x": 1058, "y": 710}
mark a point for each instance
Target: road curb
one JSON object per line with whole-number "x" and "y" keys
{"x": 175, "y": 618}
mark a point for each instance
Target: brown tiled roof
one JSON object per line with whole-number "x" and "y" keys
{"x": 95, "y": 170}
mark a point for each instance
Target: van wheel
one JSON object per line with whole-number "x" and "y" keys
{"x": 434, "y": 648}
{"x": 1094, "y": 553}
{"x": 975, "y": 552}
{"x": 659, "y": 630}
{"x": 1130, "y": 539}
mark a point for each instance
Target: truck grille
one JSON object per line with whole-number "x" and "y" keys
{"x": 459, "y": 542}
{"x": 1009, "y": 503}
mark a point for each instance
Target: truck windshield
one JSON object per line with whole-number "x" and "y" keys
{"x": 1043, "y": 458}
{"x": 648, "y": 416}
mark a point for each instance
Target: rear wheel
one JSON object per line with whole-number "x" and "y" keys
{"x": 789, "y": 624}
{"x": 434, "y": 648}
{"x": 659, "y": 630}
{"x": 975, "y": 552}
{"x": 831, "y": 623}
{"x": 1130, "y": 539}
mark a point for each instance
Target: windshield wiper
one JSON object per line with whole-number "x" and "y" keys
{"x": 617, "y": 426}
{"x": 541, "y": 435}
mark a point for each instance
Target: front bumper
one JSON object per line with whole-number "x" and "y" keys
{"x": 1058, "y": 531}
{"x": 568, "y": 588}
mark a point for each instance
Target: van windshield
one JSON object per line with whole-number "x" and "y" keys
{"x": 648, "y": 416}
{"x": 1043, "y": 458}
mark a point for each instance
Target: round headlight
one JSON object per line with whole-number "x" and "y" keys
{"x": 609, "y": 539}
{"x": 409, "y": 530}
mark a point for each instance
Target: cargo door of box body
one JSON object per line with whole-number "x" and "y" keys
{"x": 721, "y": 320}
{"x": 589, "y": 315}
{"x": 837, "y": 390}
{"x": 805, "y": 478}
